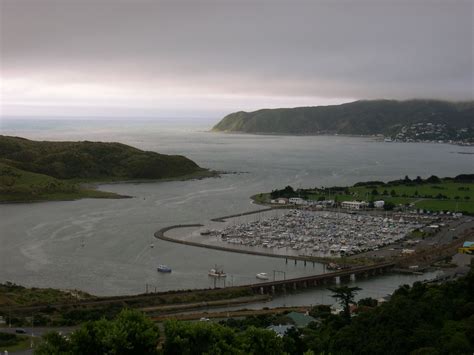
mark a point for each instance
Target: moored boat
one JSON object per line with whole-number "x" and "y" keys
{"x": 163, "y": 268}
{"x": 216, "y": 272}
{"x": 262, "y": 276}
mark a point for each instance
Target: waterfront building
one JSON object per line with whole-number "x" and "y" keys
{"x": 379, "y": 204}
{"x": 354, "y": 205}
{"x": 296, "y": 201}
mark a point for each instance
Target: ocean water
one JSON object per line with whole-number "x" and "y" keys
{"x": 103, "y": 246}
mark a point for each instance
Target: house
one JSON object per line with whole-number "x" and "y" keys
{"x": 281, "y": 330}
{"x": 282, "y": 201}
{"x": 300, "y": 320}
{"x": 353, "y": 205}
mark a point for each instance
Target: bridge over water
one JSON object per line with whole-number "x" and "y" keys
{"x": 339, "y": 276}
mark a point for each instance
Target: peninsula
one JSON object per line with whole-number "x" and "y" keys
{"x": 408, "y": 121}
{"x": 34, "y": 170}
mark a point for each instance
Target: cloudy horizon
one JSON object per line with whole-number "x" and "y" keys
{"x": 209, "y": 58}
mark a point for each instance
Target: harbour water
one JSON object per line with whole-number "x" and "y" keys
{"x": 103, "y": 246}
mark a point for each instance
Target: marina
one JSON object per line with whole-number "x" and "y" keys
{"x": 312, "y": 233}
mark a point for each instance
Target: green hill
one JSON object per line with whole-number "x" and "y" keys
{"x": 387, "y": 117}
{"x": 19, "y": 185}
{"x": 32, "y": 170}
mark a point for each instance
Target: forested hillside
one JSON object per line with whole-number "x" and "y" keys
{"x": 388, "y": 117}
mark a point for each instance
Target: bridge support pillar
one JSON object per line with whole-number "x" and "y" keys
{"x": 305, "y": 285}
{"x": 346, "y": 278}
{"x": 353, "y": 277}
{"x": 261, "y": 290}
{"x": 337, "y": 279}
{"x": 294, "y": 285}
{"x": 273, "y": 289}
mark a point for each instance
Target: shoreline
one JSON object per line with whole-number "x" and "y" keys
{"x": 374, "y": 137}
{"x": 95, "y": 187}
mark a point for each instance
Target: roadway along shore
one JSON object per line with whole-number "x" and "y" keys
{"x": 230, "y": 314}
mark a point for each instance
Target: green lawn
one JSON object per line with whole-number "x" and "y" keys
{"x": 446, "y": 195}
{"x": 449, "y": 189}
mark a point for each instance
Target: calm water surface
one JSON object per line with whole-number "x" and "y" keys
{"x": 103, "y": 246}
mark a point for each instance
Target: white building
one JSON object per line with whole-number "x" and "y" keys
{"x": 296, "y": 201}
{"x": 282, "y": 201}
{"x": 379, "y": 204}
{"x": 353, "y": 205}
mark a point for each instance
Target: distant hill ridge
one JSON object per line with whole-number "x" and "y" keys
{"x": 387, "y": 117}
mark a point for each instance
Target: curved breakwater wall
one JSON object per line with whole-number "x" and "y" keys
{"x": 160, "y": 234}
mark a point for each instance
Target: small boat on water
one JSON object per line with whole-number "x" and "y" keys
{"x": 216, "y": 272}
{"x": 262, "y": 276}
{"x": 163, "y": 268}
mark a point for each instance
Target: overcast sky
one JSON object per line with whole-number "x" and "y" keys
{"x": 208, "y": 58}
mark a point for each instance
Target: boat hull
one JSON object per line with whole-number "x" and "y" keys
{"x": 163, "y": 268}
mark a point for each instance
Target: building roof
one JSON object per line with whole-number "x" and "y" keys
{"x": 280, "y": 329}
{"x": 300, "y": 319}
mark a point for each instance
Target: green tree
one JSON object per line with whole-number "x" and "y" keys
{"x": 184, "y": 338}
{"x": 320, "y": 311}
{"x": 92, "y": 338}
{"x": 261, "y": 342}
{"x": 130, "y": 333}
{"x": 345, "y": 295}
{"x": 53, "y": 344}
{"x": 135, "y": 333}
{"x": 368, "y": 302}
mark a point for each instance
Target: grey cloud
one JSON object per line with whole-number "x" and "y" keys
{"x": 360, "y": 49}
